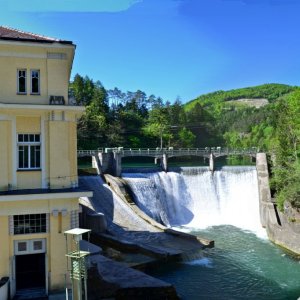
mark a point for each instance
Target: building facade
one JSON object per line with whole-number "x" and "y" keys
{"x": 38, "y": 160}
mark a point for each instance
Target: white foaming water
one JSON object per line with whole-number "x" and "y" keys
{"x": 206, "y": 262}
{"x": 197, "y": 198}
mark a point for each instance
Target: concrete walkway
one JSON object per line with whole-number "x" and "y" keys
{"x": 109, "y": 279}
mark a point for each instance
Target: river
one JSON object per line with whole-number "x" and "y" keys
{"x": 222, "y": 206}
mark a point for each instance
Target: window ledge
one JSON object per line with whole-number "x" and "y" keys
{"x": 19, "y": 93}
{"x": 28, "y": 170}
{"x": 31, "y": 233}
{"x": 35, "y": 94}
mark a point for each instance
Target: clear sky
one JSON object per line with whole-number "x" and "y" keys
{"x": 171, "y": 48}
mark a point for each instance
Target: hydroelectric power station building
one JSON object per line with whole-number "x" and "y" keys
{"x": 38, "y": 167}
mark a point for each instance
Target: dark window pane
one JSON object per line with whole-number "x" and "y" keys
{"x": 32, "y": 157}
{"x": 34, "y": 223}
{"x": 35, "y": 86}
{"x": 37, "y": 157}
{"x": 22, "y": 81}
{"x": 22, "y": 85}
{"x": 26, "y": 150}
{"x": 35, "y": 82}
{"x": 21, "y": 156}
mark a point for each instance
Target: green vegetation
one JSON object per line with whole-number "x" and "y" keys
{"x": 270, "y": 92}
{"x": 286, "y": 169}
{"x": 132, "y": 119}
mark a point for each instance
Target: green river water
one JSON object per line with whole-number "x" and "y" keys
{"x": 241, "y": 266}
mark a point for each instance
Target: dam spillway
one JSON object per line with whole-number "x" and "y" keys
{"x": 198, "y": 198}
{"x": 223, "y": 206}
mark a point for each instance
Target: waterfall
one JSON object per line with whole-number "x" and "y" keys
{"x": 195, "y": 197}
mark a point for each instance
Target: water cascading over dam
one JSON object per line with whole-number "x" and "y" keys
{"x": 198, "y": 198}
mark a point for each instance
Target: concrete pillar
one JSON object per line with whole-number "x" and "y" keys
{"x": 96, "y": 222}
{"x": 117, "y": 164}
{"x": 164, "y": 162}
{"x": 156, "y": 160}
{"x": 105, "y": 161}
{"x": 211, "y": 162}
{"x": 96, "y": 164}
{"x": 263, "y": 187}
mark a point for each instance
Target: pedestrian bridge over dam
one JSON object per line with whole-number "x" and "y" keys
{"x": 109, "y": 160}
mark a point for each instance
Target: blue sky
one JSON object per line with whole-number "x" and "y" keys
{"x": 171, "y": 48}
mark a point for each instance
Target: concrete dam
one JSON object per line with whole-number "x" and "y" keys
{"x": 198, "y": 198}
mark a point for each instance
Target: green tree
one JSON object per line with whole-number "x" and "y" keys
{"x": 158, "y": 124}
{"x": 286, "y": 171}
{"x": 187, "y": 138}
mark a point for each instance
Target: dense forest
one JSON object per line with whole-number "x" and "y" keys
{"x": 265, "y": 116}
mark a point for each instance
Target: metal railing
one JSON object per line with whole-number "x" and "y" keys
{"x": 155, "y": 152}
{"x": 82, "y": 153}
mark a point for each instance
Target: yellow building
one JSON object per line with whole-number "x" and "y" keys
{"x": 38, "y": 164}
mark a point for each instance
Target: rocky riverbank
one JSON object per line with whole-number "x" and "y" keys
{"x": 283, "y": 228}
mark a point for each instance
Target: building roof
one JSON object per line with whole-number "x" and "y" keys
{"x": 7, "y": 33}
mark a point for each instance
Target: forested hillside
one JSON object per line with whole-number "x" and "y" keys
{"x": 237, "y": 124}
{"x": 115, "y": 118}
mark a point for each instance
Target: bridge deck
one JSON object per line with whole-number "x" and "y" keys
{"x": 170, "y": 152}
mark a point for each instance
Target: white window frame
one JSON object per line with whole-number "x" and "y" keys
{"x": 30, "y": 247}
{"x": 32, "y": 150}
{"x": 25, "y": 225}
{"x": 18, "y": 81}
{"x": 32, "y": 71}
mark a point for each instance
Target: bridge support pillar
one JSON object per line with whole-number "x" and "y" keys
{"x": 103, "y": 162}
{"x": 96, "y": 164}
{"x": 117, "y": 164}
{"x": 164, "y": 162}
{"x": 211, "y": 162}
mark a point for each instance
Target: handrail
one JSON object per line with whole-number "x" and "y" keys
{"x": 217, "y": 151}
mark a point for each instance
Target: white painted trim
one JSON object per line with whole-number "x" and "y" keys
{"x": 46, "y": 196}
{"x": 42, "y": 107}
{"x": 30, "y": 246}
{"x": 43, "y": 153}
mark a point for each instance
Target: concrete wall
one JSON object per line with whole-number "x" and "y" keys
{"x": 283, "y": 228}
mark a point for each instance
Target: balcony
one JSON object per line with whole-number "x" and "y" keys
{"x": 57, "y": 100}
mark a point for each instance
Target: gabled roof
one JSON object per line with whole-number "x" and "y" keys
{"x": 7, "y": 33}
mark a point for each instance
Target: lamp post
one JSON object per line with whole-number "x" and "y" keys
{"x": 78, "y": 272}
